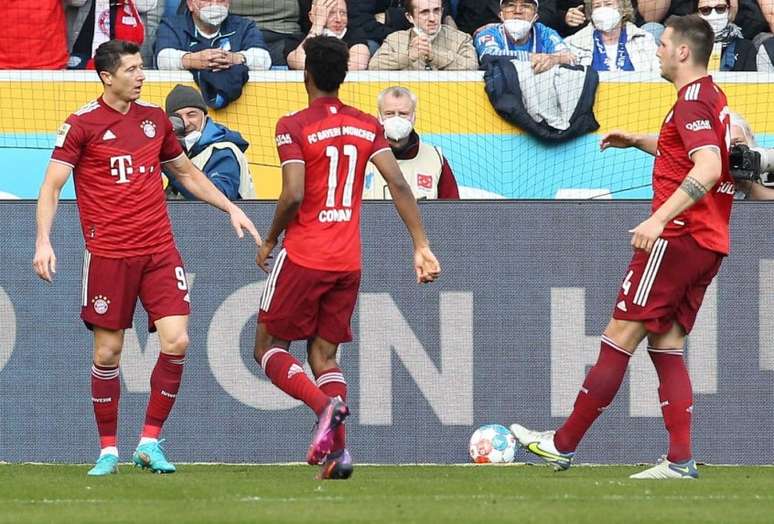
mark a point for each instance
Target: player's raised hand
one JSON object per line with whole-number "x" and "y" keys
{"x": 264, "y": 254}
{"x": 241, "y": 223}
{"x": 44, "y": 261}
{"x": 619, "y": 139}
{"x": 426, "y": 265}
{"x": 646, "y": 233}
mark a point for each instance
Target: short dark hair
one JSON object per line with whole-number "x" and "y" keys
{"x": 327, "y": 60}
{"x": 695, "y": 32}
{"x": 108, "y": 55}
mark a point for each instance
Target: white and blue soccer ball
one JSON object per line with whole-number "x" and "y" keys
{"x": 492, "y": 444}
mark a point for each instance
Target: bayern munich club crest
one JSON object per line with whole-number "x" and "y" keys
{"x": 101, "y": 304}
{"x": 149, "y": 128}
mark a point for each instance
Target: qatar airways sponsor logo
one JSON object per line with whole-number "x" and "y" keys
{"x": 335, "y": 132}
{"x": 122, "y": 167}
{"x": 698, "y": 125}
{"x": 335, "y": 215}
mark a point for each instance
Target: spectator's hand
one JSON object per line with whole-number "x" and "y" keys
{"x": 318, "y": 14}
{"x": 264, "y": 254}
{"x": 426, "y": 265}
{"x": 646, "y": 233}
{"x": 235, "y": 58}
{"x": 542, "y": 62}
{"x": 420, "y": 48}
{"x": 619, "y": 139}
{"x": 575, "y": 17}
{"x": 213, "y": 59}
{"x": 44, "y": 261}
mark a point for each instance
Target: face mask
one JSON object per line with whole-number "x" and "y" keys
{"x": 517, "y": 28}
{"x": 191, "y": 139}
{"x": 213, "y": 14}
{"x": 328, "y": 32}
{"x": 718, "y": 21}
{"x": 605, "y": 18}
{"x": 397, "y": 128}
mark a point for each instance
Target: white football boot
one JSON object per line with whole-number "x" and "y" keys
{"x": 669, "y": 470}
{"x": 542, "y": 444}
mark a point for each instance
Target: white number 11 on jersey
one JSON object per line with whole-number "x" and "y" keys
{"x": 332, "y": 153}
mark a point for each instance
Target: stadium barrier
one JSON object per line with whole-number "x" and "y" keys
{"x": 505, "y": 335}
{"x": 491, "y": 158}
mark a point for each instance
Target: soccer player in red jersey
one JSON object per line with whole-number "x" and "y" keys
{"x": 313, "y": 286}
{"x": 677, "y": 253}
{"x": 115, "y": 146}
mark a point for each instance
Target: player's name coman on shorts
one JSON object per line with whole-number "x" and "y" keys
{"x": 333, "y": 132}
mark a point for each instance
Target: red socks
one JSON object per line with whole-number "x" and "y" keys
{"x": 676, "y": 396}
{"x": 165, "y": 382}
{"x": 286, "y": 373}
{"x": 598, "y": 391}
{"x": 332, "y": 383}
{"x": 105, "y": 393}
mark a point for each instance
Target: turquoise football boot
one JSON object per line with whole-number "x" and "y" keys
{"x": 151, "y": 456}
{"x": 106, "y": 465}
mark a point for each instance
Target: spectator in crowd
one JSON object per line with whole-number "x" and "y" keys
{"x": 423, "y": 166}
{"x": 731, "y": 52}
{"x": 212, "y": 147}
{"x": 472, "y": 15}
{"x": 522, "y": 37}
{"x": 278, "y": 21}
{"x": 34, "y": 38}
{"x": 612, "y": 42}
{"x": 428, "y": 45}
{"x": 379, "y": 18}
{"x": 755, "y": 18}
{"x": 741, "y": 134}
{"x": 93, "y": 22}
{"x": 329, "y": 18}
{"x": 217, "y": 47}
{"x": 151, "y": 19}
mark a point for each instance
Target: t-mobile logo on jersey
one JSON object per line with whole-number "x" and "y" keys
{"x": 121, "y": 167}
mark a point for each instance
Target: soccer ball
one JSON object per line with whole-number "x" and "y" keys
{"x": 492, "y": 444}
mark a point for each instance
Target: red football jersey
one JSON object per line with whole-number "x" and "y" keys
{"x": 335, "y": 142}
{"x": 116, "y": 161}
{"x": 699, "y": 119}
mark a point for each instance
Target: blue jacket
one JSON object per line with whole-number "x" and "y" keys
{"x": 222, "y": 168}
{"x": 179, "y": 32}
{"x": 493, "y": 40}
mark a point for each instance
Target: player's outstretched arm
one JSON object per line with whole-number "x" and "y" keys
{"x": 293, "y": 177}
{"x": 623, "y": 140}
{"x": 425, "y": 264}
{"x": 197, "y": 183}
{"x": 705, "y": 173}
{"x": 44, "y": 261}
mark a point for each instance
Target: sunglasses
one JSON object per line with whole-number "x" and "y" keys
{"x": 719, "y": 9}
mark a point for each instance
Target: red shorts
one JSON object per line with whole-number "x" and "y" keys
{"x": 667, "y": 285}
{"x": 111, "y": 287}
{"x": 299, "y": 303}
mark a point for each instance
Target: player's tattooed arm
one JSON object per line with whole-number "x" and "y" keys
{"x": 693, "y": 188}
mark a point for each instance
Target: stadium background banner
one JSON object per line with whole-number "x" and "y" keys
{"x": 505, "y": 335}
{"x": 491, "y": 158}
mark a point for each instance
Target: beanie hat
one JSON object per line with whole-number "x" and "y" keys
{"x": 184, "y": 96}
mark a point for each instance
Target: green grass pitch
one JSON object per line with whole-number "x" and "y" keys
{"x": 400, "y": 494}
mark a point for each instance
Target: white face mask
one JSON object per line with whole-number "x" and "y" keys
{"x": 718, "y": 21}
{"x": 397, "y": 128}
{"x": 328, "y": 32}
{"x": 213, "y": 14}
{"x": 605, "y": 18}
{"x": 191, "y": 139}
{"x": 517, "y": 28}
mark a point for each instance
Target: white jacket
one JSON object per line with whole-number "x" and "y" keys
{"x": 640, "y": 45}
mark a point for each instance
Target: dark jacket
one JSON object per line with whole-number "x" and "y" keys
{"x": 222, "y": 168}
{"x": 740, "y": 54}
{"x": 236, "y": 34}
